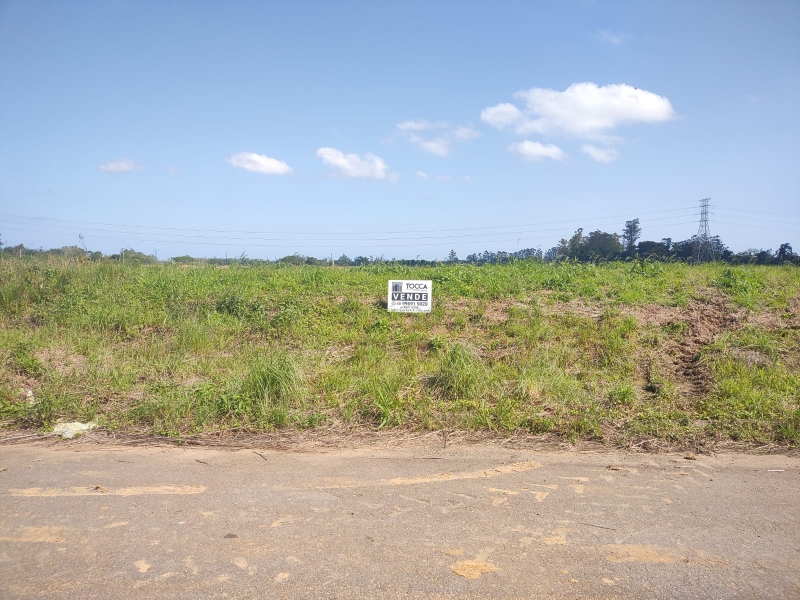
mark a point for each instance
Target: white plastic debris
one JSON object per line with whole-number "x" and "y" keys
{"x": 69, "y": 430}
{"x": 29, "y": 397}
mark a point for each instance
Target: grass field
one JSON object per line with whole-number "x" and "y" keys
{"x": 623, "y": 352}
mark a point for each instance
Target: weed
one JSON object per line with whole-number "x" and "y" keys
{"x": 232, "y": 303}
{"x": 24, "y": 362}
{"x": 737, "y": 281}
{"x": 388, "y": 407}
{"x": 273, "y": 381}
{"x": 461, "y": 375}
{"x": 622, "y": 395}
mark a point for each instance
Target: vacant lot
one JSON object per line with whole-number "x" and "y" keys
{"x": 626, "y": 353}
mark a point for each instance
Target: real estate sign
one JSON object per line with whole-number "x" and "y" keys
{"x": 410, "y": 296}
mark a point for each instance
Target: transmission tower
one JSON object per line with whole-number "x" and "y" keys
{"x": 703, "y": 246}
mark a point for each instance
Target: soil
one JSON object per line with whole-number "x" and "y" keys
{"x": 704, "y": 320}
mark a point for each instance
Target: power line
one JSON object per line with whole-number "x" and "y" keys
{"x": 352, "y": 242}
{"x": 750, "y": 226}
{"x": 758, "y": 212}
{"x": 750, "y": 218}
{"x": 339, "y": 239}
{"x": 620, "y": 216}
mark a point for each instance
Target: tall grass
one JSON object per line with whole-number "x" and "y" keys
{"x": 461, "y": 374}
{"x": 528, "y": 346}
{"x": 273, "y": 381}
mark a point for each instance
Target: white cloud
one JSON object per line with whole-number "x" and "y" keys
{"x": 612, "y": 38}
{"x": 467, "y": 178}
{"x": 536, "y": 151}
{"x": 502, "y": 115}
{"x": 419, "y": 125}
{"x": 440, "y": 145}
{"x": 422, "y": 174}
{"x": 465, "y": 134}
{"x": 258, "y": 163}
{"x": 172, "y": 170}
{"x": 123, "y": 165}
{"x": 584, "y": 111}
{"x": 603, "y": 155}
{"x": 444, "y": 177}
{"x": 352, "y": 165}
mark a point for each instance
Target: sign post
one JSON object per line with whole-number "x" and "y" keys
{"x": 412, "y": 296}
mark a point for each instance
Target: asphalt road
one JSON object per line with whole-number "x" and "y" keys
{"x": 106, "y": 522}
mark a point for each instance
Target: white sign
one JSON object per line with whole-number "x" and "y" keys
{"x": 410, "y": 296}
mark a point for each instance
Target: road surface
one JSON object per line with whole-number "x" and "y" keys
{"x": 89, "y": 521}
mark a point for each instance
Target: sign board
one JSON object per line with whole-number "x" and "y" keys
{"x": 410, "y": 296}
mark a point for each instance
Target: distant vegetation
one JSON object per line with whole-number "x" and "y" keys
{"x": 595, "y": 247}
{"x": 638, "y": 352}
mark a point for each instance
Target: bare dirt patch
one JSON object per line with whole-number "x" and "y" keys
{"x": 61, "y": 360}
{"x": 700, "y": 322}
{"x": 706, "y": 320}
{"x": 339, "y": 353}
{"x": 788, "y": 319}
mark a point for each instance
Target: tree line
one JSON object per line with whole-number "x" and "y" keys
{"x": 595, "y": 246}
{"x": 601, "y": 246}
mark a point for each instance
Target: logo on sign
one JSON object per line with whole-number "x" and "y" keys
{"x": 397, "y": 286}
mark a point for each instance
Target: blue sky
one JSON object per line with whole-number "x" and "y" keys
{"x": 395, "y": 128}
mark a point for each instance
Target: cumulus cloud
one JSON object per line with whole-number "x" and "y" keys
{"x": 353, "y": 165}
{"x": 502, "y": 115}
{"x": 172, "y": 170}
{"x": 583, "y": 110}
{"x": 258, "y": 163}
{"x": 444, "y": 177}
{"x": 603, "y": 155}
{"x": 536, "y": 151}
{"x": 422, "y": 174}
{"x": 444, "y": 135}
{"x": 123, "y": 165}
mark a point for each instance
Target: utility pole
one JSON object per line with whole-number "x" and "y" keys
{"x": 703, "y": 246}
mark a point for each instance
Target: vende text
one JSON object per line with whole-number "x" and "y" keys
{"x": 409, "y": 296}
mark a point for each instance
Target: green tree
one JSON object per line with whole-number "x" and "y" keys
{"x": 572, "y": 247}
{"x": 652, "y": 249}
{"x": 452, "y": 257}
{"x": 601, "y": 245}
{"x": 630, "y": 234}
